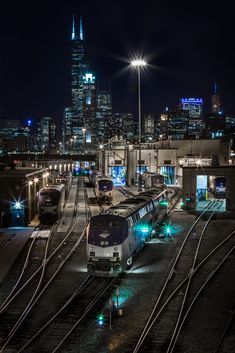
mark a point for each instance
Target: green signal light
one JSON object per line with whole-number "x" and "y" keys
{"x": 163, "y": 203}
{"x": 100, "y": 320}
{"x": 168, "y": 229}
{"x": 143, "y": 228}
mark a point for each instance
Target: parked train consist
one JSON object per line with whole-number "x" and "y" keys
{"x": 152, "y": 180}
{"x": 51, "y": 200}
{"x": 104, "y": 188}
{"x": 113, "y": 238}
{"x": 93, "y": 175}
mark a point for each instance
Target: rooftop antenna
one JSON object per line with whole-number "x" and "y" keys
{"x": 215, "y": 88}
{"x": 81, "y": 29}
{"x": 73, "y": 30}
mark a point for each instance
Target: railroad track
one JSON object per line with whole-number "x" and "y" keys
{"x": 14, "y": 283}
{"x": 56, "y": 264}
{"x": 6, "y": 242}
{"x": 52, "y": 335}
{"x": 162, "y": 329}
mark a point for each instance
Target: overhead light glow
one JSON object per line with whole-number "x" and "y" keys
{"x": 17, "y": 205}
{"x": 138, "y": 62}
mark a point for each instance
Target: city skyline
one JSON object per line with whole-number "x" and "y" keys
{"x": 183, "y": 63}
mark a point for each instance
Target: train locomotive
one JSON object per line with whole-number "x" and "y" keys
{"x": 104, "y": 188}
{"x": 152, "y": 180}
{"x": 217, "y": 185}
{"x": 51, "y": 200}
{"x": 116, "y": 236}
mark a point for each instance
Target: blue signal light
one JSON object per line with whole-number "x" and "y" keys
{"x": 100, "y": 320}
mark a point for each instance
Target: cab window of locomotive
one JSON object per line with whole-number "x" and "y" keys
{"x": 115, "y": 225}
{"x": 43, "y": 193}
{"x": 106, "y": 183}
{"x": 105, "y": 226}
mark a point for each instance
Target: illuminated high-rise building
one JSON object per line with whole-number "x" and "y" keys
{"x": 148, "y": 128}
{"x": 178, "y": 124}
{"x": 103, "y": 114}
{"x": 89, "y": 110}
{"x": 215, "y": 101}
{"x": 74, "y": 121}
{"x": 194, "y": 106}
{"x": 120, "y": 125}
{"x": 79, "y": 66}
{"x": 47, "y": 134}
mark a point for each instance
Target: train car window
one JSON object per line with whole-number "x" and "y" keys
{"x": 130, "y": 221}
{"x": 149, "y": 207}
{"x": 142, "y": 212}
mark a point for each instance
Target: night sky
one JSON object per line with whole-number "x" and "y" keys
{"x": 189, "y": 46}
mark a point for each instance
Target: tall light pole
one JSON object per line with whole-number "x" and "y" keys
{"x": 138, "y": 64}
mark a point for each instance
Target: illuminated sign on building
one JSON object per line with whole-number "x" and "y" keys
{"x": 192, "y": 100}
{"x": 89, "y": 78}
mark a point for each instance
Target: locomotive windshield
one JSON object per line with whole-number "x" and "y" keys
{"x": 52, "y": 197}
{"x": 107, "y": 227}
{"x": 106, "y": 185}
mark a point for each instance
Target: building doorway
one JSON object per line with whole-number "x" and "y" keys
{"x": 211, "y": 188}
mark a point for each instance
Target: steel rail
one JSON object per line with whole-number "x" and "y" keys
{"x": 27, "y": 309}
{"x": 210, "y": 276}
{"x": 171, "y": 273}
{"x": 3, "y": 305}
{"x": 84, "y": 284}
{"x": 86, "y": 311}
{"x": 62, "y": 243}
{"x": 149, "y": 324}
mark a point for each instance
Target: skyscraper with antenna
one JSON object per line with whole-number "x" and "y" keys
{"x": 79, "y": 66}
{"x": 215, "y": 101}
{"x": 74, "y": 119}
